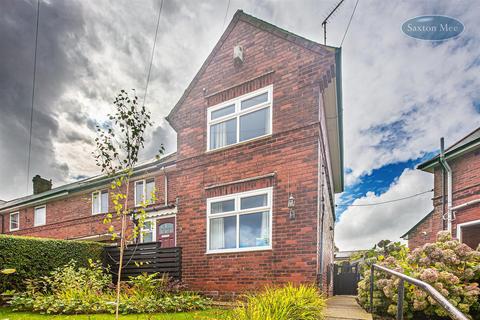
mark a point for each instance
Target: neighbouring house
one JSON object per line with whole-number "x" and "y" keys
{"x": 456, "y": 198}
{"x": 341, "y": 256}
{"x": 249, "y": 194}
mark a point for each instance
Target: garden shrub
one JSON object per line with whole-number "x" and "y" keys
{"x": 69, "y": 289}
{"x": 451, "y": 267}
{"x": 34, "y": 257}
{"x": 286, "y": 303}
{"x": 78, "y": 290}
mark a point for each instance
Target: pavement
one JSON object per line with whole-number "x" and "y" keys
{"x": 345, "y": 308}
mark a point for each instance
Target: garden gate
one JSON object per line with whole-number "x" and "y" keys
{"x": 345, "y": 279}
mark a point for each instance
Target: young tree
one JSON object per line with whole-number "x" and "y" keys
{"x": 119, "y": 142}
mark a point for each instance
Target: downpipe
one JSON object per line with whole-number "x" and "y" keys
{"x": 447, "y": 168}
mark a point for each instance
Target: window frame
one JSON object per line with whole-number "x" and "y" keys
{"x": 144, "y": 189}
{"x": 99, "y": 192}
{"x": 153, "y": 222}
{"x": 465, "y": 224}
{"x": 239, "y": 113}
{"x": 34, "y": 211}
{"x": 10, "y": 221}
{"x": 237, "y": 213}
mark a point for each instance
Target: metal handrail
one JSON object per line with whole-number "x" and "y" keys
{"x": 442, "y": 301}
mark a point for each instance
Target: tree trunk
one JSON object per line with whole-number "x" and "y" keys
{"x": 122, "y": 249}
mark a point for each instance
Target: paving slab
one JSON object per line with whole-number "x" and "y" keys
{"x": 345, "y": 308}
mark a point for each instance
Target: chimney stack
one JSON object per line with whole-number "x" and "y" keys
{"x": 41, "y": 185}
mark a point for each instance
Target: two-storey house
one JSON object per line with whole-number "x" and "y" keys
{"x": 249, "y": 194}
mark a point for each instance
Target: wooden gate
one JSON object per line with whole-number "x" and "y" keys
{"x": 146, "y": 258}
{"x": 345, "y": 279}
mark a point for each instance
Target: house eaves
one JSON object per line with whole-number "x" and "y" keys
{"x": 334, "y": 124}
{"x": 88, "y": 183}
{"x": 450, "y": 154}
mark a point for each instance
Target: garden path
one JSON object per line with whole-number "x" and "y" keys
{"x": 345, "y": 308}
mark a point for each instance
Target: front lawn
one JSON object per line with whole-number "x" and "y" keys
{"x": 6, "y": 313}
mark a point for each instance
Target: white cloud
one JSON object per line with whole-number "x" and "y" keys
{"x": 401, "y": 95}
{"x": 362, "y": 227}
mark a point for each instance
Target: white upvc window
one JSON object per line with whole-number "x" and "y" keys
{"x": 148, "y": 232}
{"x": 14, "y": 221}
{"x": 240, "y": 222}
{"x": 100, "y": 202}
{"x": 144, "y": 190}
{"x": 240, "y": 119}
{"x": 40, "y": 216}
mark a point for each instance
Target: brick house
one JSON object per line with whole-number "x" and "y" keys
{"x": 249, "y": 194}
{"x": 457, "y": 196}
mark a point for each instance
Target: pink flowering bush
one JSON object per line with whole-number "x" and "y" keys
{"x": 451, "y": 267}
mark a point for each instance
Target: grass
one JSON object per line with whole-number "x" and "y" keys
{"x": 6, "y": 313}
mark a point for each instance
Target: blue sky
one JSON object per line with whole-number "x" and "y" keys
{"x": 376, "y": 182}
{"x": 400, "y": 95}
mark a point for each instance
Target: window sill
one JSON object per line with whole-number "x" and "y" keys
{"x": 238, "y": 144}
{"x": 139, "y": 205}
{"x": 238, "y": 250}
{"x": 12, "y": 230}
{"x": 99, "y": 213}
{"x": 39, "y": 225}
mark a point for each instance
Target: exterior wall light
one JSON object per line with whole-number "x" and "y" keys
{"x": 291, "y": 206}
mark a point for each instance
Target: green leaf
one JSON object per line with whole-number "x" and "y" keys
{"x": 8, "y": 271}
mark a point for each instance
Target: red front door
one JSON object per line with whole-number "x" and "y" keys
{"x": 166, "y": 232}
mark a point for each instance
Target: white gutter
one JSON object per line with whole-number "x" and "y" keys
{"x": 455, "y": 154}
{"x": 466, "y": 204}
{"x": 32, "y": 203}
{"x": 449, "y": 186}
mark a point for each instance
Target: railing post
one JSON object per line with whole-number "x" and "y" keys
{"x": 401, "y": 295}
{"x": 372, "y": 268}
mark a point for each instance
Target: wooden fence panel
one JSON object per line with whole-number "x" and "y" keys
{"x": 145, "y": 257}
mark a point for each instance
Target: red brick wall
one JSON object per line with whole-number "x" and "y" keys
{"x": 466, "y": 187}
{"x": 293, "y": 257}
{"x": 325, "y": 238}
{"x": 291, "y": 152}
{"x": 71, "y": 216}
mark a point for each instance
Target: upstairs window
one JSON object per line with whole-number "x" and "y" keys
{"x": 241, "y": 119}
{"x": 14, "y": 221}
{"x": 144, "y": 190}
{"x": 240, "y": 222}
{"x": 100, "y": 202}
{"x": 40, "y": 216}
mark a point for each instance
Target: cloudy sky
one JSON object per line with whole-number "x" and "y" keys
{"x": 400, "y": 95}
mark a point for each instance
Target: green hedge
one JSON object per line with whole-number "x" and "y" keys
{"x": 36, "y": 257}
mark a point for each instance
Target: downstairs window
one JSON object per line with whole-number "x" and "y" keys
{"x": 240, "y": 222}
{"x": 14, "y": 221}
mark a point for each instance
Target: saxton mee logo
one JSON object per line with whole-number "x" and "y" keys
{"x": 433, "y": 28}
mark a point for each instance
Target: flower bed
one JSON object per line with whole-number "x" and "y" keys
{"x": 82, "y": 290}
